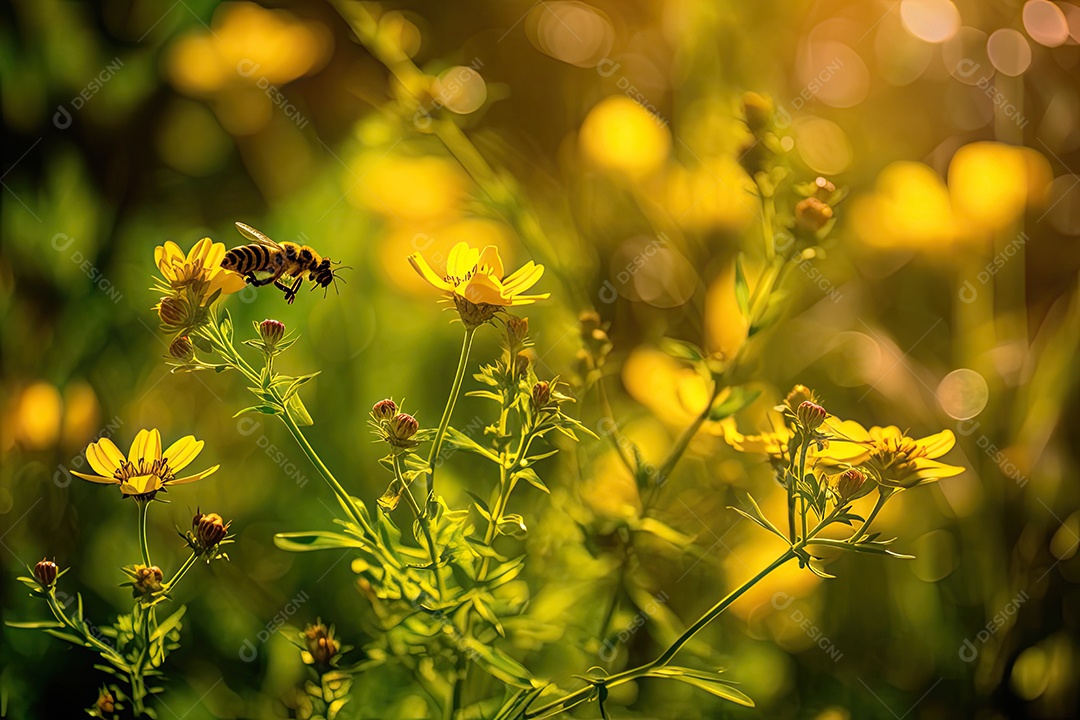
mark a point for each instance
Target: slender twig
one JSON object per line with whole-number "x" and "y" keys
{"x": 455, "y": 389}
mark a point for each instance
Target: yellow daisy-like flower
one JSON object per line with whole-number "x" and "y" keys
{"x": 199, "y": 269}
{"x": 146, "y": 469}
{"x": 474, "y": 281}
{"x": 896, "y": 460}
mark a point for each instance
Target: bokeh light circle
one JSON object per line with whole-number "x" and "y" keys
{"x": 823, "y": 145}
{"x": 963, "y": 394}
{"x": 1009, "y": 51}
{"x": 460, "y": 89}
{"x": 1045, "y": 23}
{"x": 934, "y": 21}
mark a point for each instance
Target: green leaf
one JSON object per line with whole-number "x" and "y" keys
{"x": 298, "y": 412}
{"x": 742, "y": 292}
{"x": 226, "y": 326}
{"x": 297, "y": 383}
{"x": 488, "y": 614}
{"x": 530, "y": 476}
{"x": 873, "y": 548}
{"x": 318, "y": 540}
{"x": 756, "y": 515}
{"x": 264, "y": 409}
{"x": 682, "y": 350}
{"x": 34, "y": 625}
{"x": 704, "y": 681}
{"x": 664, "y": 532}
{"x": 496, "y": 663}
{"x": 169, "y": 624}
{"x": 73, "y": 639}
{"x": 461, "y": 441}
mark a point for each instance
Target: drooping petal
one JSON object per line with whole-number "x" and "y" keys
{"x": 182, "y": 452}
{"x": 95, "y": 478}
{"x": 227, "y": 282}
{"x": 421, "y": 266}
{"x": 489, "y": 261}
{"x": 933, "y": 469}
{"x": 146, "y": 446}
{"x": 141, "y": 484}
{"x": 104, "y": 457}
{"x": 483, "y": 289}
{"x": 196, "y": 476}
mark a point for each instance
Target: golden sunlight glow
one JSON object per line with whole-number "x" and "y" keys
{"x": 934, "y": 21}
{"x": 909, "y": 208}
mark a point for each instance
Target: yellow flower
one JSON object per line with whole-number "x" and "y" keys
{"x": 146, "y": 469}
{"x": 474, "y": 281}
{"x": 896, "y": 460}
{"x": 200, "y": 269}
{"x": 774, "y": 444}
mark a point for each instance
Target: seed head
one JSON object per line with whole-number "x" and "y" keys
{"x": 147, "y": 579}
{"x": 181, "y": 348}
{"x": 173, "y": 312}
{"x": 209, "y": 530}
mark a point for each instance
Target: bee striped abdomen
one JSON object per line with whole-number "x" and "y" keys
{"x": 247, "y": 259}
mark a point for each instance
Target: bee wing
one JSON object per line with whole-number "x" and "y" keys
{"x": 257, "y": 236}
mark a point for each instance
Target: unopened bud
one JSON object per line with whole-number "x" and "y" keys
{"x": 541, "y": 395}
{"x": 812, "y": 214}
{"x": 522, "y": 361}
{"x": 271, "y": 332}
{"x": 518, "y": 328}
{"x": 402, "y": 427}
{"x": 173, "y": 312}
{"x": 45, "y": 573}
{"x": 384, "y": 409}
{"x": 810, "y": 415}
{"x": 209, "y": 530}
{"x": 181, "y": 348}
{"x": 849, "y": 483}
{"x": 106, "y": 703}
{"x": 147, "y": 579}
{"x": 320, "y": 643}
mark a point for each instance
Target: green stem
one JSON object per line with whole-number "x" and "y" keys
{"x": 626, "y": 676}
{"x": 684, "y": 440}
{"x": 882, "y": 497}
{"x": 799, "y": 479}
{"x": 425, "y": 526}
{"x": 143, "y": 505}
{"x": 180, "y": 573}
{"x": 436, "y": 445}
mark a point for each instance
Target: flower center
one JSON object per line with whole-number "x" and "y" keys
{"x": 158, "y": 468}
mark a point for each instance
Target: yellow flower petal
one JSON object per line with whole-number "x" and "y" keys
{"x": 146, "y": 446}
{"x": 182, "y": 452}
{"x": 462, "y": 260}
{"x": 939, "y": 444}
{"x": 104, "y": 457}
{"x": 213, "y": 255}
{"x": 523, "y": 278}
{"x": 141, "y": 484}
{"x": 490, "y": 262}
{"x": 196, "y": 476}
{"x": 528, "y": 299}
{"x": 482, "y": 289}
{"x": 95, "y": 478}
{"x": 935, "y": 469}
{"x": 421, "y": 266}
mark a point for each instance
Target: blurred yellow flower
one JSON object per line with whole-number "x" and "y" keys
{"x": 992, "y": 183}
{"x": 146, "y": 469}
{"x": 909, "y": 208}
{"x": 896, "y": 460}
{"x": 200, "y": 269}
{"x": 474, "y": 281}
{"x": 619, "y": 134}
{"x": 772, "y": 443}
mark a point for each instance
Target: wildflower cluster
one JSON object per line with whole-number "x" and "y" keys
{"x": 135, "y": 647}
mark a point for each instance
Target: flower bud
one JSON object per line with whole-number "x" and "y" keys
{"x": 147, "y": 579}
{"x": 384, "y": 409}
{"x": 402, "y": 427}
{"x": 209, "y": 530}
{"x": 106, "y": 703}
{"x": 810, "y": 415}
{"x": 541, "y": 395}
{"x": 849, "y": 483}
{"x": 173, "y": 312}
{"x": 522, "y": 361}
{"x": 181, "y": 348}
{"x": 271, "y": 332}
{"x": 812, "y": 214}
{"x": 517, "y": 328}
{"x": 320, "y": 643}
{"x": 758, "y": 111}
{"x": 823, "y": 189}
{"x": 45, "y": 573}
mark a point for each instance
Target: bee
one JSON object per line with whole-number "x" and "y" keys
{"x": 276, "y": 260}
